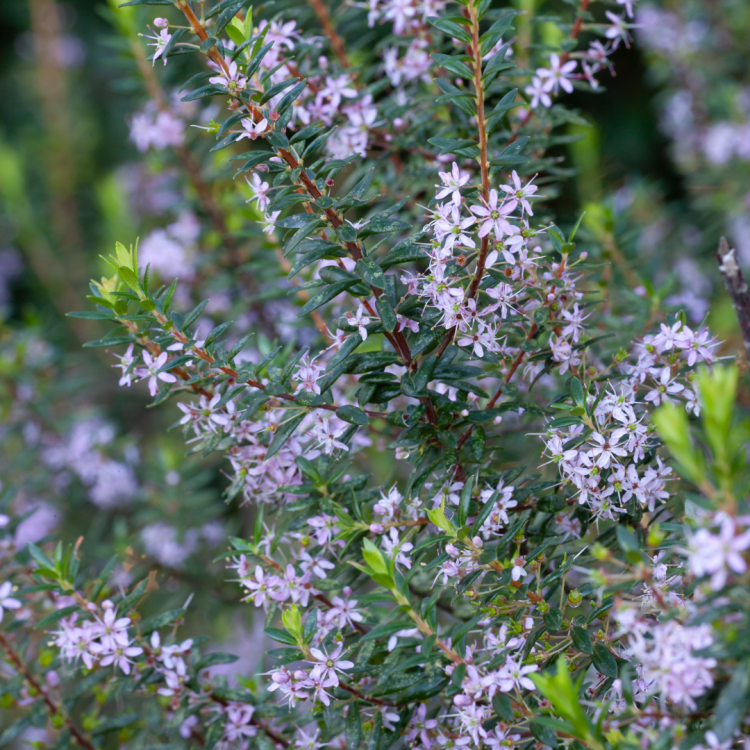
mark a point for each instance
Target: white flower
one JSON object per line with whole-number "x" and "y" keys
{"x": 253, "y": 129}
{"x": 492, "y": 216}
{"x": 557, "y": 74}
{"x": 327, "y": 666}
{"x": 260, "y": 191}
{"x": 152, "y": 371}
{"x": 231, "y": 78}
{"x": 360, "y": 321}
{"x": 453, "y": 182}
{"x": 160, "y": 42}
{"x": 538, "y": 93}
{"x": 520, "y": 193}
{"x": 6, "y": 600}
{"x": 518, "y": 570}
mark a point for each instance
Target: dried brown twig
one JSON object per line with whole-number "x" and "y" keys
{"x": 737, "y": 288}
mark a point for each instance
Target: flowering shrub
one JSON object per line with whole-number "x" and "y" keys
{"x": 533, "y": 575}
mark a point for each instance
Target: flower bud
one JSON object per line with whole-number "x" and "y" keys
{"x": 161, "y": 23}
{"x": 377, "y": 528}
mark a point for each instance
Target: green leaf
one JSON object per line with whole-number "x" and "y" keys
{"x": 117, "y": 722}
{"x": 283, "y": 433}
{"x": 353, "y": 726}
{"x": 360, "y": 189}
{"x": 146, "y": 2}
{"x": 373, "y": 740}
{"x": 463, "y": 505}
{"x": 204, "y": 91}
{"x": 13, "y": 730}
{"x": 216, "y": 658}
{"x": 353, "y": 415}
{"x": 405, "y": 252}
{"x": 604, "y": 661}
{"x": 239, "y": 346}
{"x": 553, "y": 619}
{"x": 462, "y": 99}
{"x": 501, "y": 109}
{"x": 159, "y": 621}
{"x": 483, "y": 514}
{"x": 305, "y": 133}
{"x": 281, "y": 636}
{"x": 452, "y": 29}
{"x": 216, "y": 332}
{"x": 455, "y": 65}
{"x": 193, "y": 315}
{"x": 311, "y": 624}
{"x": 215, "y": 733}
{"x": 576, "y": 390}
{"x": 326, "y": 295}
{"x": 256, "y": 60}
{"x": 387, "y": 630}
{"x": 347, "y": 348}
{"x": 277, "y": 89}
{"x": 371, "y": 272}
{"x": 383, "y": 226}
{"x": 91, "y": 315}
{"x": 503, "y": 707}
{"x": 260, "y": 158}
{"x": 581, "y": 640}
{"x": 321, "y": 250}
{"x": 563, "y": 694}
{"x": 452, "y": 145}
{"x": 227, "y": 15}
{"x": 56, "y": 616}
{"x": 733, "y": 703}
{"x": 544, "y": 734}
{"x": 387, "y": 313}
{"x": 127, "y": 275}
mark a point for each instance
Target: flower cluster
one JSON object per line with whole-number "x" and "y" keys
{"x": 430, "y": 571}
{"x": 103, "y": 639}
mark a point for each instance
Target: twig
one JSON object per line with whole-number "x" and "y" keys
{"x": 474, "y": 50}
{"x": 737, "y": 288}
{"x": 337, "y": 43}
{"x": 52, "y": 707}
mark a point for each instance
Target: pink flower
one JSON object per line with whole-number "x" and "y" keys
{"x": 453, "y": 182}
{"x": 557, "y": 74}
{"x": 152, "y": 371}
{"x": 253, "y": 129}
{"x": 160, "y": 43}
{"x": 493, "y": 216}
{"x": 231, "y": 78}
{"x": 520, "y": 193}
{"x": 605, "y": 449}
{"x": 327, "y": 666}
{"x": 538, "y": 93}
{"x": 260, "y": 190}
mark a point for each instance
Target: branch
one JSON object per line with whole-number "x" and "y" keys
{"x": 737, "y": 288}
{"x": 337, "y": 43}
{"x": 52, "y": 707}
{"x": 475, "y": 51}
